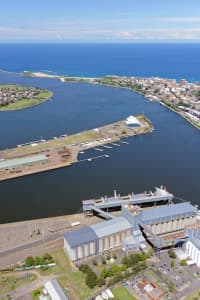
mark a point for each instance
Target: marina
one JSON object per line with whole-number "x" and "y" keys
{"x": 93, "y": 158}
{"x": 43, "y": 155}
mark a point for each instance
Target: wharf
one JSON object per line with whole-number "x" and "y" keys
{"x": 159, "y": 196}
{"x": 45, "y": 155}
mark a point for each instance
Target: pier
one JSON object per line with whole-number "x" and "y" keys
{"x": 94, "y": 157}
{"x": 44, "y": 155}
{"x": 161, "y": 195}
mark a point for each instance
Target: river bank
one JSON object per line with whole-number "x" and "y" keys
{"x": 124, "y": 82}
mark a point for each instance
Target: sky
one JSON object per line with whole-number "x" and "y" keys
{"x": 100, "y": 21}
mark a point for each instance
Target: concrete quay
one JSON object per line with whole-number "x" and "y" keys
{"x": 46, "y": 155}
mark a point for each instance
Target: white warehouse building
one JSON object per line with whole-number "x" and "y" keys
{"x": 192, "y": 247}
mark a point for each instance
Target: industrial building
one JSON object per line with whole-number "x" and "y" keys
{"x": 191, "y": 247}
{"x": 132, "y": 121}
{"x": 161, "y": 226}
{"x": 95, "y": 239}
{"x": 54, "y": 290}
{"x": 22, "y": 161}
{"x": 160, "y": 196}
{"x": 164, "y": 226}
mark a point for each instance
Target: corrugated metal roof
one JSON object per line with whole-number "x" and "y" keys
{"x": 80, "y": 236}
{"x": 196, "y": 243}
{"x": 167, "y": 212}
{"x": 15, "y": 162}
{"x": 111, "y": 227}
{"x": 54, "y": 290}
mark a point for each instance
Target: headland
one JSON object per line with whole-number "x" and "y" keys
{"x": 15, "y": 97}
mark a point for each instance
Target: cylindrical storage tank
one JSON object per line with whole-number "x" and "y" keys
{"x": 106, "y": 243}
{"x": 112, "y": 242}
{"x": 117, "y": 239}
{"x": 154, "y": 228}
{"x": 92, "y": 248}
{"x": 158, "y": 229}
{"x": 73, "y": 254}
{"x": 179, "y": 224}
{"x": 80, "y": 252}
{"x": 101, "y": 245}
{"x": 123, "y": 235}
{"x": 182, "y": 223}
{"x": 169, "y": 226}
{"x": 175, "y": 225}
{"x": 86, "y": 250}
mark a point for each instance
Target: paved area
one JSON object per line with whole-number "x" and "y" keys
{"x": 21, "y": 235}
{"x": 186, "y": 279}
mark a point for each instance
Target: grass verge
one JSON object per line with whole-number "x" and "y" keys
{"x": 121, "y": 293}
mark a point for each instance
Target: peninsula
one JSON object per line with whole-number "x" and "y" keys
{"x": 14, "y": 97}
{"x": 44, "y": 155}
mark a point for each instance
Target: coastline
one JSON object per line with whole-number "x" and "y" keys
{"x": 94, "y": 80}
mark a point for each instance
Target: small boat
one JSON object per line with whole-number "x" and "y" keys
{"x": 89, "y": 159}
{"x": 105, "y": 146}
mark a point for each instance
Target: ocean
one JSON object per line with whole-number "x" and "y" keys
{"x": 95, "y": 60}
{"x": 168, "y": 156}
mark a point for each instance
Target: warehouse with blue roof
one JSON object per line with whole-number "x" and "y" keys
{"x": 95, "y": 239}
{"x": 159, "y": 225}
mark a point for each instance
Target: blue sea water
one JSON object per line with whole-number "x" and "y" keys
{"x": 169, "y": 156}
{"x": 94, "y": 60}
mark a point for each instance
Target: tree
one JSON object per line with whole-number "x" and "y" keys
{"x": 103, "y": 261}
{"x": 183, "y": 262}
{"x": 172, "y": 254}
{"x": 171, "y": 287}
{"x": 29, "y": 261}
{"x": 91, "y": 279}
{"x": 84, "y": 268}
{"x": 47, "y": 258}
{"x": 37, "y": 261}
{"x": 95, "y": 263}
{"x": 104, "y": 273}
{"x": 36, "y": 293}
{"x": 114, "y": 255}
{"x": 100, "y": 282}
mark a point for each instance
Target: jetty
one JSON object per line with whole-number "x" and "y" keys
{"x": 159, "y": 197}
{"x": 44, "y": 155}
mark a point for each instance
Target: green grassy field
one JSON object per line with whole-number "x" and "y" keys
{"x": 69, "y": 278}
{"x": 121, "y": 293}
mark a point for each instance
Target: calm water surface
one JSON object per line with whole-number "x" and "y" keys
{"x": 169, "y": 156}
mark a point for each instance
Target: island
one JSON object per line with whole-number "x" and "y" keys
{"x": 15, "y": 97}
